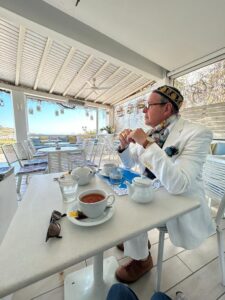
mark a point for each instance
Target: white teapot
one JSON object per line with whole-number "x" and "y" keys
{"x": 141, "y": 189}
{"x": 84, "y": 175}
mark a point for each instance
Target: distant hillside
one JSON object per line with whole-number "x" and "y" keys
{"x": 6, "y": 131}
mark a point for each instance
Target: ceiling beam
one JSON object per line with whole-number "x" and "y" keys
{"x": 60, "y": 26}
{"x": 136, "y": 90}
{"x": 62, "y": 69}
{"x": 78, "y": 74}
{"x": 42, "y": 63}
{"x": 114, "y": 74}
{"x": 44, "y": 95}
{"x": 128, "y": 87}
{"x": 19, "y": 55}
{"x": 94, "y": 76}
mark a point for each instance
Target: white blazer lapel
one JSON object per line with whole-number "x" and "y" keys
{"x": 174, "y": 134}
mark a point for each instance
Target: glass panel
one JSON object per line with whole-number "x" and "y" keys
{"x": 7, "y": 124}
{"x": 204, "y": 86}
{"x": 45, "y": 117}
{"x": 103, "y": 119}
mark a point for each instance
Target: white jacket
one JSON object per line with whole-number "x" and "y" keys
{"x": 180, "y": 174}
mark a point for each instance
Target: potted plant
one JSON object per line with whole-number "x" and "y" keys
{"x": 108, "y": 129}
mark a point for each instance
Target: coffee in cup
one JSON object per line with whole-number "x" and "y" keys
{"x": 92, "y": 198}
{"x": 93, "y": 202}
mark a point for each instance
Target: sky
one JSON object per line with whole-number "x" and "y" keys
{"x": 72, "y": 121}
{"x": 6, "y": 111}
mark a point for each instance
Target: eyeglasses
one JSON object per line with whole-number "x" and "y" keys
{"x": 152, "y": 104}
{"x": 54, "y": 227}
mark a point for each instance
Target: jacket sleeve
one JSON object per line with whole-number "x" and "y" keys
{"x": 180, "y": 175}
{"x": 130, "y": 156}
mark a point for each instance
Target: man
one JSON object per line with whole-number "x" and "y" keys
{"x": 174, "y": 152}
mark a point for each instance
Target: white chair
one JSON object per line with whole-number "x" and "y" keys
{"x": 21, "y": 170}
{"x": 96, "y": 157}
{"x": 31, "y": 151}
{"x": 89, "y": 147}
{"x": 214, "y": 183}
{"x": 58, "y": 162}
{"x": 24, "y": 156}
{"x": 77, "y": 158}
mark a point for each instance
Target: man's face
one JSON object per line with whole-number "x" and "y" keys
{"x": 156, "y": 113}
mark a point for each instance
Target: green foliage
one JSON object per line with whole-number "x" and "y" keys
{"x": 108, "y": 129}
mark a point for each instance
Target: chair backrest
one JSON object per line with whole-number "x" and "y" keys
{"x": 28, "y": 149}
{"x": 89, "y": 149}
{"x": 31, "y": 146}
{"x": 10, "y": 154}
{"x": 214, "y": 177}
{"x": 20, "y": 151}
{"x": 77, "y": 159}
{"x": 58, "y": 162}
{"x": 97, "y": 154}
{"x": 218, "y": 148}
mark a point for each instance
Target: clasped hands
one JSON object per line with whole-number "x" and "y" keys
{"x": 128, "y": 136}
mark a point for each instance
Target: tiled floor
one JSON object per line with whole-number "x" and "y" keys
{"x": 195, "y": 272}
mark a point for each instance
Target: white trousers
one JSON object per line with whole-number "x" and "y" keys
{"x": 137, "y": 247}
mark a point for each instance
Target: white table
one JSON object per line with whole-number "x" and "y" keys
{"x": 62, "y": 149}
{"x": 25, "y": 257}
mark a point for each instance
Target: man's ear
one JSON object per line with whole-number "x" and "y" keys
{"x": 168, "y": 109}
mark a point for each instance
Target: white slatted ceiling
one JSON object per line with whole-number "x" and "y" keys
{"x": 8, "y": 50}
{"x": 102, "y": 96}
{"x": 122, "y": 87}
{"x": 42, "y": 60}
{"x": 55, "y": 60}
{"x": 33, "y": 48}
{"x": 86, "y": 74}
{"x": 103, "y": 80}
{"x": 73, "y": 67}
{"x": 125, "y": 92}
{"x": 211, "y": 116}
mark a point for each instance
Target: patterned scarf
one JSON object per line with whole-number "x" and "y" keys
{"x": 159, "y": 134}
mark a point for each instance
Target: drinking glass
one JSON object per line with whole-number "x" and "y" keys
{"x": 115, "y": 177}
{"x": 68, "y": 187}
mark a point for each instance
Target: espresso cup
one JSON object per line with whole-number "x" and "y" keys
{"x": 107, "y": 168}
{"x": 93, "y": 202}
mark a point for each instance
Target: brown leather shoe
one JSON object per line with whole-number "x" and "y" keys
{"x": 121, "y": 246}
{"x": 134, "y": 269}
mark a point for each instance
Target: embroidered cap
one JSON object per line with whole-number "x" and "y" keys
{"x": 172, "y": 94}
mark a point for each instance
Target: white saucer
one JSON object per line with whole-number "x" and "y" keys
{"x": 102, "y": 173}
{"x": 107, "y": 214}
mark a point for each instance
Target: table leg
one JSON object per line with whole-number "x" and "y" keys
{"x": 93, "y": 282}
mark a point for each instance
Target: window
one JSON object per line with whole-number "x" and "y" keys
{"x": 45, "y": 117}
{"x": 7, "y": 124}
{"x": 204, "y": 97}
{"x": 204, "y": 86}
{"x": 103, "y": 119}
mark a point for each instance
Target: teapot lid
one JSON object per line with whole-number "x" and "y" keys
{"x": 142, "y": 181}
